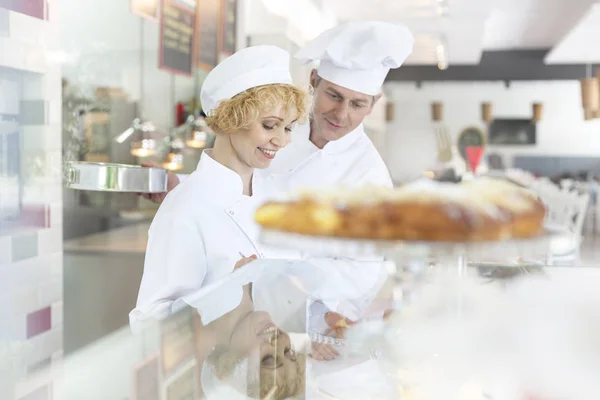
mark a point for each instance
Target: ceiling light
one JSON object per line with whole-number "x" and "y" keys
{"x": 198, "y": 134}
{"x": 173, "y": 162}
{"x": 143, "y": 148}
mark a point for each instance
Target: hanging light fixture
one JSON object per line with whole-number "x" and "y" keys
{"x": 538, "y": 108}
{"x": 145, "y": 145}
{"x": 590, "y": 95}
{"x": 486, "y": 112}
{"x": 173, "y": 161}
{"x": 198, "y": 134}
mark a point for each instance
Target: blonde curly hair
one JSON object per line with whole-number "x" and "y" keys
{"x": 243, "y": 109}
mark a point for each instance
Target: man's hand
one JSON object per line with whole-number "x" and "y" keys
{"x": 243, "y": 261}
{"x": 323, "y": 351}
{"x": 172, "y": 182}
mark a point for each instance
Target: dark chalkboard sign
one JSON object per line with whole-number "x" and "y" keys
{"x": 208, "y": 22}
{"x": 227, "y": 36}
{"x": 519, "y": 132}
{"x": 471, "y": 136}
{"x": 177, "y": 34}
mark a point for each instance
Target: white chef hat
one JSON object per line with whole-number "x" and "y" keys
{"x": 250, "y": 67}
{"x": 358, "y": 55}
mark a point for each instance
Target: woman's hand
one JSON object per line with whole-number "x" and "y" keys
{"x": 243, "y": 261}
{"x": 172, "y": 182}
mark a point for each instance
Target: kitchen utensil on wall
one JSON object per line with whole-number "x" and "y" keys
{"x": 444, "y": 143}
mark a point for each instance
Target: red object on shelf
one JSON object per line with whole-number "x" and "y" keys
{"x": 179, "y": 114}
{"x": 474, "y": 154}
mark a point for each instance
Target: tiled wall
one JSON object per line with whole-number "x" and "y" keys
{"x": 31, "y": 260}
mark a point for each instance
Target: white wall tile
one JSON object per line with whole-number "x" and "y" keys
{"x": 10, "y": 96}
{"x": 34, "y": 87}
{"x": 4, "y": 22}
{"x": 50, "y": 293}
{"x": 26, "y": 300}
{"x": 57, "y": 315}
{"x": 56, "y": 214}
{"x": 29, "y": 274}
{"x": 22, "y": 55}
{"x": 25, "y": 28}
{"x": 44, "y": 345}
{"x": 13, "y": 328}
{"x": 50, "y": 241}
{"x": 5, "y": 250}
{"x": 54, "y": 111}
{"x": 12, "y": 53}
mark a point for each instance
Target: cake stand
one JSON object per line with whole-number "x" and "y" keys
{"x": 450, "y": 253}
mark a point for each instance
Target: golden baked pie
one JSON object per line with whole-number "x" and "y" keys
{"x": 478, "y": 210}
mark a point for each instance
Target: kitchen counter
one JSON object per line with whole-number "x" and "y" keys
{"x": 129, "y": 239}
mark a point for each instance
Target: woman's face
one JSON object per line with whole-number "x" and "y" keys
{"x": 257, "y": 145}
{"x": 270, "y": 353}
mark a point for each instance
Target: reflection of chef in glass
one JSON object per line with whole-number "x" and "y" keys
{"x": 251, "y": 358}
{"x": 206, "y": 222}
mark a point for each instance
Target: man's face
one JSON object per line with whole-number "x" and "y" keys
{"x": 336, "y": 110}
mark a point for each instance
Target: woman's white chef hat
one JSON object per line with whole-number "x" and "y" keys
{"x": 250, "y": 67}
{"x": 358, "y": 55}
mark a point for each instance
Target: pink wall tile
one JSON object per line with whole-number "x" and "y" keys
{"x": 39, "y": 322}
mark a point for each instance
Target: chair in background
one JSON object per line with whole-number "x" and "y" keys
{"x": 566, "y": 209}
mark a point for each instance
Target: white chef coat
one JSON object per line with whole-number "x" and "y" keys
{"x": 351, "y": 161}
{"x": 197, "y": 236}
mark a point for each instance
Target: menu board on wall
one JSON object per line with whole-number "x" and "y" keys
{"x": 177, "y": 34}
{"x": 146, "y": 8}
{"x": 33, "y": 8}
{"x": 227, "y": 34}
{"x": 178, "y": 343}
{"x": 208, "y": 23}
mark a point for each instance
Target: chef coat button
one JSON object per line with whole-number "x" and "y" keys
{"x": 231, "y": 212}
{"x": 334, "y": 164}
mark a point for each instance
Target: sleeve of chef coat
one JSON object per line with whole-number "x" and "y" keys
{"x": 175, "y": 266}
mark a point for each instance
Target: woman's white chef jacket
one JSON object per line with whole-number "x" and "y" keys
{"x": 197, "y": 236}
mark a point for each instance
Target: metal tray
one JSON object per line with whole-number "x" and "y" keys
{"x": 108, "y": 177}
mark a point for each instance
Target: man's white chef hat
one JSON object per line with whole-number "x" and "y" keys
{"x": 358, "y": 55}
{"x": 250, "y": 67}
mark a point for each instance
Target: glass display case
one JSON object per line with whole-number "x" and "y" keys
{"x": 403, "y": 326}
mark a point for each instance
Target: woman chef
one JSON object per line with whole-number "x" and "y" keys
{"x": 205, "y": 223}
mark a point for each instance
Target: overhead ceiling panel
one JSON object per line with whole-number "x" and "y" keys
{"x": 582, "y": 44}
